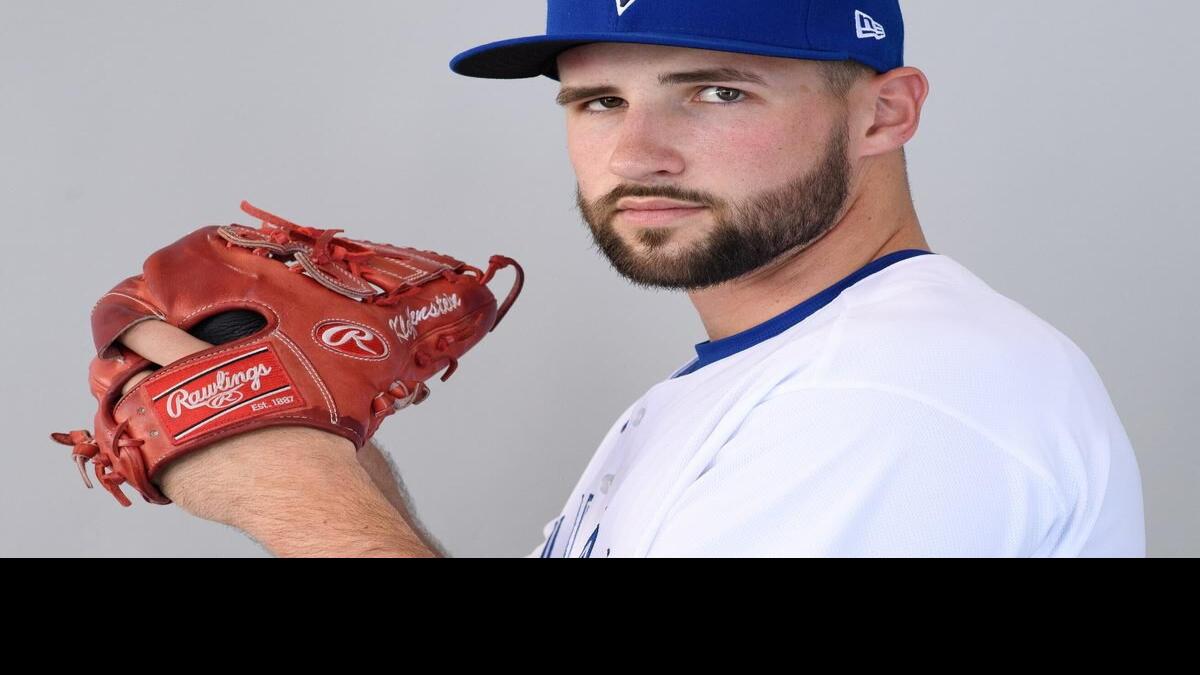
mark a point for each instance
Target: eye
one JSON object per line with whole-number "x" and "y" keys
{"x": 725, "y": 94}
{"x": 604, "y": 103}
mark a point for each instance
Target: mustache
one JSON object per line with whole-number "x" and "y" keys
{"x": 608, "y": 203}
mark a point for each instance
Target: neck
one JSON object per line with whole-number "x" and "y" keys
{"x": 876, "y": 222}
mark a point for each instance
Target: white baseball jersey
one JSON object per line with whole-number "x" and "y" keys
{"x": 908, "y": 410}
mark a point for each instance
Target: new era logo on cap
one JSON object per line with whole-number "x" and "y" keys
{"x": 868, "y": 27}
{"x": 623, "y": 5}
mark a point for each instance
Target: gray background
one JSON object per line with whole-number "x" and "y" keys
{"x": 1057, "y": 159}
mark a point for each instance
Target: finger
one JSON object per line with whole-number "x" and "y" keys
{"x": 161, "y": 343}
{"x": 134, "y": 380}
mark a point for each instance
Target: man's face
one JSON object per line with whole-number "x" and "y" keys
{"x": 752, "y": 158}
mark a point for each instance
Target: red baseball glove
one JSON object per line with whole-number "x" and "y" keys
{"x": 309, "y": 328}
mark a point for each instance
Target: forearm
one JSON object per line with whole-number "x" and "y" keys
{"x": 296, "y": 491}
{"x": 386, "y": 477}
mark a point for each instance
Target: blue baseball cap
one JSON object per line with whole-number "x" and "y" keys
{"x": 868, "y": 31}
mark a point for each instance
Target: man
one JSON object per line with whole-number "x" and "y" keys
{"x": 858, "y": 393}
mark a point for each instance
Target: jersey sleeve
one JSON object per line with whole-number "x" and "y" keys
{"x": 862, "y": 472}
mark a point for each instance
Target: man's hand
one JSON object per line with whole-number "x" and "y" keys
{"x": 296, "y": 490}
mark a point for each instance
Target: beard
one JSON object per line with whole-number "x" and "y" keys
{"x": 748, "y": 235}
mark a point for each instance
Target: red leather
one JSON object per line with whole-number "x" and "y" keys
{"x": 353, "y": 331}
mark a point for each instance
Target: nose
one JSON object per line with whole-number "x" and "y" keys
{"x": 645, "y": 149}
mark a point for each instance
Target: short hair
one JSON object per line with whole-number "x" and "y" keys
{"x": 841, "y": 76}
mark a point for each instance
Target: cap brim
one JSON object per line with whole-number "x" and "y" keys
{"x": 516, "y": 58}
{"x": 537, "y": 55}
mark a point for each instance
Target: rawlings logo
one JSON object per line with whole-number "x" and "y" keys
{"x": 351, "y": 339}
{"x": 224, "y": 391}
{"x": 405, "y": 326}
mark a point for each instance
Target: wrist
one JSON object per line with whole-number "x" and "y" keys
{"x": 297, "y": 491}
{"x": 222, "y": 482}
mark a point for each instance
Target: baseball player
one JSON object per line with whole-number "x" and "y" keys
{"x": 858, "y": 394}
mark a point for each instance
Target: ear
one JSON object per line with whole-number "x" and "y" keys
{"x": 891, "y": 103}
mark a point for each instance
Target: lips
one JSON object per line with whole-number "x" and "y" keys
{"x": 655, "y": 217}
{"x": 630, "y": 204}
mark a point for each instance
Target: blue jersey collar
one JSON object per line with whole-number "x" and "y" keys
{"x": 709, "y": 352}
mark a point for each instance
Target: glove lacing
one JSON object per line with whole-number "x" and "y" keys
{"x": 327, "y": 248}
{"x": 126, "y": 453}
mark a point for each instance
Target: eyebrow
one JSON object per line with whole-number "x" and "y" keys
{"x": 570, "y": 95}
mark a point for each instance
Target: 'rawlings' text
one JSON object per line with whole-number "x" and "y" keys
{"x": 222, "y": 393}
